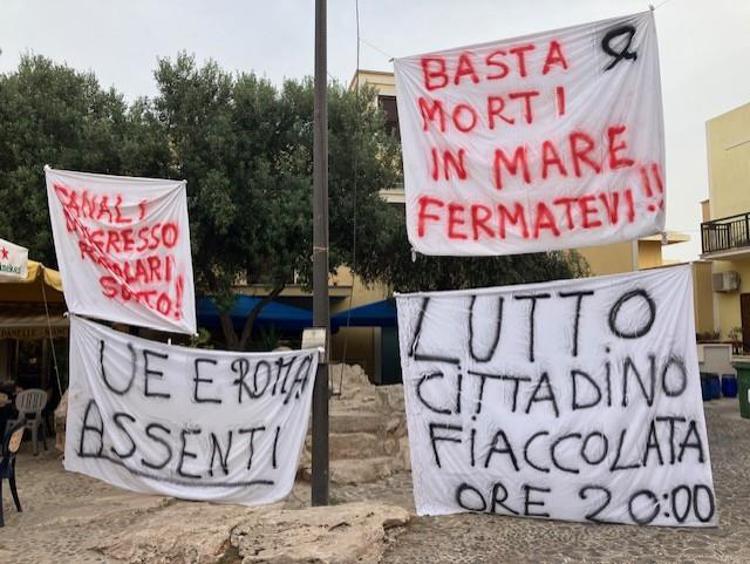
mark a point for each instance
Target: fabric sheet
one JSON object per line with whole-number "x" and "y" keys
{"x": 189, "y": 423}
{"x": 576, "y": 400}
{"x": 123, "y": 248}
{"x": 548, "y": 141}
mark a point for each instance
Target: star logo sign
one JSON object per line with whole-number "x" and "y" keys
{"x": 4, "y": 253}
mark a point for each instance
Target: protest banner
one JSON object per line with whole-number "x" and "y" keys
{"x": 14, "y": 261}
{"x": 576, "y": 400}
{"x": 123, "y": 248}
{"x": 189, "y": 423}
{"x": 548, "y": 141}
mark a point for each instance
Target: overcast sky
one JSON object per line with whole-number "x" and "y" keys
{"x": 703, "y": 49}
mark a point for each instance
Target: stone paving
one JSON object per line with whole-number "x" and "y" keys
{"x": 69, "y": 518}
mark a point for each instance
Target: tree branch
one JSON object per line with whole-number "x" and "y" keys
{"x": 227, "y": 327}
{"x": 247, "y": 330}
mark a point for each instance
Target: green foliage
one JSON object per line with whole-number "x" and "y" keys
{"x": 245, "y": 148}
{"x": 51, "y": 114}
{"x": 202, "y": 340}
{"x": 268, "y": 338}
{"x": 405, "y": 272}
{"x": 708, "y": 336}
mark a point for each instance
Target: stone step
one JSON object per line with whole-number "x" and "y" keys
{"x": 357, "y": 422}
{"x": 354, "y": 445}
{"x": 361, "y": 402}
{"x": 358, "y": 471}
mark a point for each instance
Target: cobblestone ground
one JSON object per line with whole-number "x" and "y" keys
{"x": 66, "y": 516}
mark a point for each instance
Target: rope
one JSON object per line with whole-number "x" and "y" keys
{"x": 370, "y": 45}
{"x": 654, "y": 8}
{"x": 354, "y": 210}
{"x": 49, "y": 330}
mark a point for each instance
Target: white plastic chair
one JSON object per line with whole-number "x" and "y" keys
{"x": 30, "y": 404}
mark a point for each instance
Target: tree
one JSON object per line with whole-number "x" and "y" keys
{"x": 245, "y": 148}
{"x": 52, "y": 114}
{"x": 405, "y": 272}
{"x": 49, "y": 114}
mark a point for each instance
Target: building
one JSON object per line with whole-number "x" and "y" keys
{"x": 725, "y": 230}
{"x": 629, "y": 256}
{"x": 354, "y": 345}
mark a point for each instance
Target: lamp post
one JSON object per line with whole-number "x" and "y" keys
{"x": 321, "y": 316}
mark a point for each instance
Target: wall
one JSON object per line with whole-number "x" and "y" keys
{"x": 649, "y": 254}
{"x": 383, "y": 82}
{"x": 703, "y": 299}
{"x": 609, "y": 259}
{"x": 728, "y": 144}
{"x": 728, "y": 304}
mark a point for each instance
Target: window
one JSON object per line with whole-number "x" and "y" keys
{"x": 388, "y": 105}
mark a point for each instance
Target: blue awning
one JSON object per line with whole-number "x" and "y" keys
{"x": 281, "y": 316}
{"x": 376, "y": 314}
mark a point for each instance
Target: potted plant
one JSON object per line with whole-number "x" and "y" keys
{"x": 735, "y": 336}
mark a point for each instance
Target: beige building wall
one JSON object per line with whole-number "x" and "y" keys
{"x": 626, "y": 257}
{"x": 728, "y": 148}
{"x": 609, "y": 259}
{"x": 728, "y": 144}
{"x": 728, "y": 304}
{"x": 649, "y": 254}
{"x": 706, "y": 210}
{"x": 383, "y": 82}
{"x": 703, "y": 302}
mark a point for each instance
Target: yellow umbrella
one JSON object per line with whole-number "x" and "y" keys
{"x": 26, "y": 304}
{"x": 31, "y": 288}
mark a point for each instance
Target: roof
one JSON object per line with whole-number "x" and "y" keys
{"x": 274, "y": 314}
{"x": 26, "y": 324}
{"x": 363, "y": 74}
{"x": 668, "y": 237}
{"x": 375, "y": 314}
{"x": 30, "y": 289}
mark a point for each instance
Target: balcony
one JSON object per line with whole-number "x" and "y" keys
{"x": 727, "y": 237}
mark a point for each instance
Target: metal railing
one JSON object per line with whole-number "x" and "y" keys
{"x": 725, "y": 234}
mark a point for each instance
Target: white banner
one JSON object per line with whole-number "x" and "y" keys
{"x": 14, "y": 261}
{"x": 549, "y": 141}
{"x": 576, "y": 400}
{"x": 189, "y": 423}
{"x": 123, "y": 248}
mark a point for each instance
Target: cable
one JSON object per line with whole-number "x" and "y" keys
{"x": 370, "y": 45}
{"x": 49, "y": 330}
{"x": 354, "y": 209}
{"x": 654, "y": 8}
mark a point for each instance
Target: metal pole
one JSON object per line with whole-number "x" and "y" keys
{"x": 320, "y": 258}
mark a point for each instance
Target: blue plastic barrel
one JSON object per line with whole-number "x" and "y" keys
{"x": 729, "y": 385}
{"x": 714, "y": 386}
{"x": 705, "y": 388}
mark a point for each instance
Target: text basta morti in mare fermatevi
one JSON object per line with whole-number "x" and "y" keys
{"x": 549, "y": 141}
